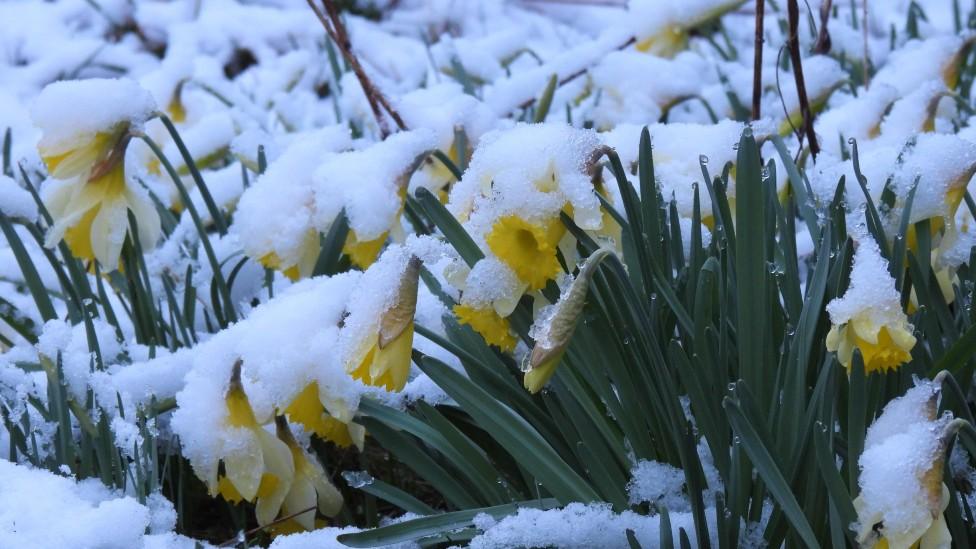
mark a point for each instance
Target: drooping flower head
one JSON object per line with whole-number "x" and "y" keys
{"x": 262, "y": 469}
{"x": 868, "y": 317}
{"x": 86, "y": 127}
{"x": 311, "y": 487}
{"x": 902, "y": 497}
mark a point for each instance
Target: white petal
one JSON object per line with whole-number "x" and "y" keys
{"x": 108, "y": 233}
{"x": 300, "y": 497}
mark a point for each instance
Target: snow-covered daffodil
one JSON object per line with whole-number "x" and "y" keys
{"x": 261, "y": 470}
{"x": 903, "y": 498}
{"x": 386, "y": 360}
{"x": 89, "y": 196}
{"x": 310, "y": 487}
{"x": 868, "y": 317}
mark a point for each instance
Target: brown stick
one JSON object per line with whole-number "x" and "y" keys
{"x": 757, "y": 60}
{"x": 823, "y": 38}
{"x": 233, "y": 542}
{"x": 793, "y": 43}
{"x": 336, "y": 30}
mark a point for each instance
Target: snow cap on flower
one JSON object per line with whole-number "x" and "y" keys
{"x": 868, "y": 317}
{"x": 70, "y": 113}
{"x": 902, "y": 496}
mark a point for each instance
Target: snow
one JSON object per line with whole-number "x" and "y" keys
{"x": 579, "y": 525}
{"x": 87, "y": 513}
{"x": 16, "y": 201}
{"x": 871, "y": 291}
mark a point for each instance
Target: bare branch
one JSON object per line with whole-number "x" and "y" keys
{"x": 332, "y": 22}
{"x": 757, "y": 60}
{"x": 793, "y": 43}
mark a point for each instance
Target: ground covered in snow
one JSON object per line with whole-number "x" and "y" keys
{"x": 231, "y": 242}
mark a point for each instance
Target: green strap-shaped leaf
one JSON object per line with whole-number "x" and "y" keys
{"x": 770, "y": 473}
{"x": 513, "y": 432}
{"x": 436, "y": 524}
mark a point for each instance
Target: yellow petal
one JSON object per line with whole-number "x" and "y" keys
{"x": 489, "y": 324}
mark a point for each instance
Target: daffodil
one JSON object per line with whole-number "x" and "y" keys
{"x": 486, "y": 321}
{"x": 363, "y": 253}
{"x": 308, "y": 409}
{"x": 869, "y": 317}
{"x": 903, "y": 497}
{"x": 297, "y": 267}
{"x": 670, "y": 23}
{"x": 554, "y": 328}
{"x": 262, "y": 468}
{"x": 310, "y": 487}
{"x": 528, "y": 248}
{"x": 90, "y": 197}
{"x": 385, "y": 358}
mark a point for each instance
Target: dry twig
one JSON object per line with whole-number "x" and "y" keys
{"x": 757, "y": 60}
{"x": 793, "y": 44}
{"x": 336, "y": 30}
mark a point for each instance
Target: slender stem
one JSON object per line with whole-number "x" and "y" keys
{"x": 757, "y": 60}
{"x": 336, "y": 29}
{"x": 793, "y": 42}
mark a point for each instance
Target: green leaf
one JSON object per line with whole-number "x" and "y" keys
{"x": 513, "y": 432}
{"x": 436, "y": 524}
{"x": 545, "y": 100}
{"x": 31, "y": 276}
{"x": 753, "y": 310}
{"x": 331, "y": 246}
{"x": 449, "y": 226}
{"x": 770, "y": 473}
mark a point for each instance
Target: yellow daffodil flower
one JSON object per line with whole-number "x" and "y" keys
{"x": 363, "y": 253}
{"x": 310, "y": 487}
{"x": 882, "y": 347}
{"x": 308, "y": 410}
{"x": 263, "y": 470}
{"x": 386, "y": 361}
{"x": 305, "y": 265}
{"x": 527, "y": 248}
{"x": 90, "y": 203}
{"x": 486, "y": 321}
{"x": 868, "y": 317}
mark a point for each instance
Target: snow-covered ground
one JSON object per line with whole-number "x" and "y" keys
{"x": 291, "y": 147}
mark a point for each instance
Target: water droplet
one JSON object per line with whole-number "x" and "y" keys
{"x": 702, "y": 159}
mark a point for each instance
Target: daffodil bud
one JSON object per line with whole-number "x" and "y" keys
{"x": 387, "y": 363}
{"x": 553, "y": 331}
